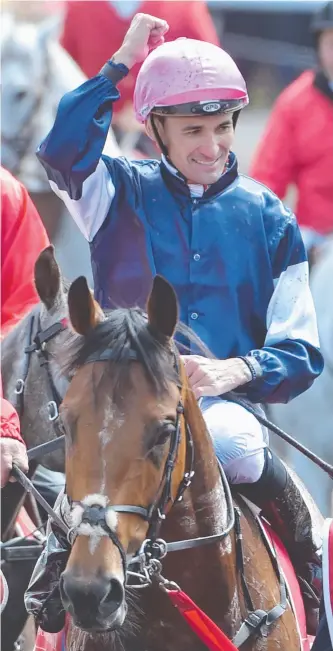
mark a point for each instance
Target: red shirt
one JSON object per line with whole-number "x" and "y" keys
{"x": 9, "y": 420}
{"x": 93, "y": 31}
{"x": 23, "y": 237}
{"x": 297, "y": 148}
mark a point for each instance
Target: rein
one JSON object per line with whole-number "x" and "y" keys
{"x": 37, "y": 344}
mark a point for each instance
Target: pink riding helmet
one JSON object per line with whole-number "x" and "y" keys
{"x": 188, "y": 77}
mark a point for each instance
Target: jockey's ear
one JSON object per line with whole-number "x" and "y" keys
{"x": 151, "y": 130}
{"x": 162, "y": 308}
{"x": 84, "y": 312}
{"x": 48, "y": 279}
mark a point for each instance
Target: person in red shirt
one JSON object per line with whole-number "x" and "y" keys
{"x": 23, "y": 237}
{"x": 297, "y": 144}
{"x": 94, "y": 29}
{"x": 12, "y": 446}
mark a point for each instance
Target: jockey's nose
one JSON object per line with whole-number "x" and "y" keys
{"x": 90, "y": 600}
{"x": 211, "y": 147}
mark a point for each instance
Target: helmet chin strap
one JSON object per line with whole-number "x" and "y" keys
{"x": 157, "y": 136}
{"x": 162, "y": 146}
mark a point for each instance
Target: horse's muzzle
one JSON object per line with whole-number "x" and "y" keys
{"x": 95, "y": 604}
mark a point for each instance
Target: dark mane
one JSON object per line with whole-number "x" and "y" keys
{"x": 125, "y": 331}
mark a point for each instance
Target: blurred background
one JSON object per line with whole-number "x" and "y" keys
{"x": 47, "y": 49}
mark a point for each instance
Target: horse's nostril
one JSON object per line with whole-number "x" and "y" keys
{"x": 113, "y": 600}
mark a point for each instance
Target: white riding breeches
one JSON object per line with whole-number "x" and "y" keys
{"x": 239, "y": 439}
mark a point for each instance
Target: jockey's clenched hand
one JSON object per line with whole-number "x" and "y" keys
{"x": 12, "y": 451}
{"x": 144, "y": 34}
{"x": 214, "y": 377}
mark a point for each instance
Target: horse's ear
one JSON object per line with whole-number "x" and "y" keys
{"x": 48, "y": 279}
{"x": 162, "y": 307}
{"x": 49, "y": 30}
{"x": 84, "y": 311}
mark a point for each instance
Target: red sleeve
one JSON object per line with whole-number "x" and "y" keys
{"x": 9, "y": 420}
{"x": 274, "y": 160}
{"x": 10, "y": 424}
{"x": 23, "y": 237}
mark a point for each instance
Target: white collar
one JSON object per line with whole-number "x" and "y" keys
{"x": 196, "y": 189}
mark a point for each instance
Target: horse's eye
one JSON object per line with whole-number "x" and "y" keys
{"x": 21, "y": 95}
{"x": 61, "y": 425}
{"x": 166, "y": 430}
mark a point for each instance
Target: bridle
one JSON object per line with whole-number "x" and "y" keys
{"x": 153, "y": 548}
{"x": 146, "y": 564}
{"x": 37, "y": 344}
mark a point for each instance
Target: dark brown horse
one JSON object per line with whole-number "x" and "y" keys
{"x": 129, "y": 448}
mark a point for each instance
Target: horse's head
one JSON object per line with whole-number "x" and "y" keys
{"x": 36, "y": 72}
{"x": 31, "y": 377}
{"x": 23, "y": 65}
{"x": 126, "y": 444}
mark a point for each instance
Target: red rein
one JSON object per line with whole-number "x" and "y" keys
{"x": 210, "y": 634}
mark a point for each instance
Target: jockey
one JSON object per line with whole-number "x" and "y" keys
{"x": 230, "y": 248}
{"x": 23, "y": 237}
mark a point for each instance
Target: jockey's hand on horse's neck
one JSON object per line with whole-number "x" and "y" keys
{"x": 214, "y": 377}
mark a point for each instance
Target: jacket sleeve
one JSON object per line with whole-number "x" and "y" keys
{"x": 290, "y": 359}
{"x": 71, "y": 154}
{"x": 10, "y": 424}
{"x": 274, "y": 161}
{"x": 23, "y": 238}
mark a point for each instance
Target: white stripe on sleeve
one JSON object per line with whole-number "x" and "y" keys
{"x": 90, "y": 211}
{"x": 291, "y": 312}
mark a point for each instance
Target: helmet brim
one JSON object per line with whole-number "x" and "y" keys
{"x": 212, "y": 107}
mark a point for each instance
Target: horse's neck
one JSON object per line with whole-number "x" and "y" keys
{"x": 203, "y": 512}
{"x": 207, "y": 494}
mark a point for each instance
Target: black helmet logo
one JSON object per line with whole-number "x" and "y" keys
{"x": 212, "y": 107}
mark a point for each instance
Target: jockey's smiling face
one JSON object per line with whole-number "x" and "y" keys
{"x": 197, "y": 146}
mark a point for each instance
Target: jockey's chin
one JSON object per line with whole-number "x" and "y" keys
{"x": 204, "y": 170}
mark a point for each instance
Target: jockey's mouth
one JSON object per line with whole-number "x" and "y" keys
{"x": 207, "y": 163}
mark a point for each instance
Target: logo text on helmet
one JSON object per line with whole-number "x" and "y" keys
{"x": 211, "y": 107}
{"x": 145, "y": 110}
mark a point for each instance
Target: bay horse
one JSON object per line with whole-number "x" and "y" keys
{"x": 141, "y": 465}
